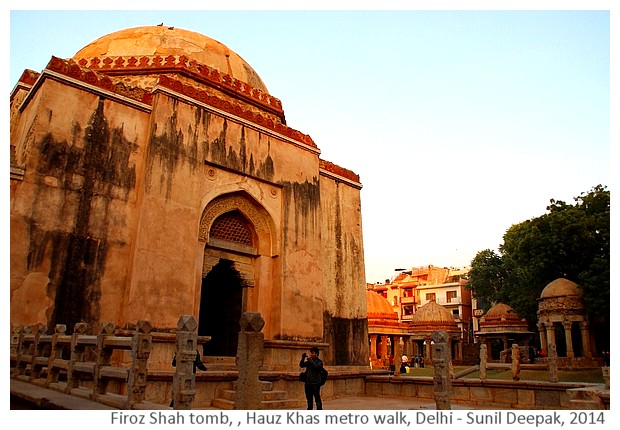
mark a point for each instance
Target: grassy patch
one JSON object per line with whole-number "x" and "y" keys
{"x": 594, "y": 376}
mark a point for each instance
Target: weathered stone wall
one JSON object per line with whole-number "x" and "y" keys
{"x": 343, "y": 272}
{"x": 112, "y": 209}
{"x": 73, "y": 215}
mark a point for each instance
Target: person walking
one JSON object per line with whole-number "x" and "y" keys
{"x": 312, "y": 385}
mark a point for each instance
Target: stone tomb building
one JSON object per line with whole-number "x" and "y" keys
{"x": 153, "y": 175}
{"x": 563, "y": 322}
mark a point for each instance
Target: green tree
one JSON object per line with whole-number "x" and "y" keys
{"x": 487, "y": 278}
{"x": 569, "y": 241}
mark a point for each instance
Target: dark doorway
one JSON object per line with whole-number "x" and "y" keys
{"x": 576, "y": 339}
{"x": 560, "y": 339}
{"x": 220, "y": 309}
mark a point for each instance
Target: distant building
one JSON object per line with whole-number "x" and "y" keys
{"x": 413, "y": 289}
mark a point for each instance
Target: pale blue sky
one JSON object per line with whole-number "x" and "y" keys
{"x": 459, "y": 123}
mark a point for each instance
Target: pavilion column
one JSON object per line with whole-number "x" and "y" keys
{"x": 550, "y": 335}
{"x": 568, "y": 335}
{"x": 383, "y": 349}
{"x": 373, "y": 346}
{"x": 427, "y": 356}
{"x": 407, "y": 346}
{"x": 505, "y": 340}
{"x": 585, "y": 338}
{"x": 543, "y": 336}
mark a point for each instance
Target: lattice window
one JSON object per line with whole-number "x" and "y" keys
{"x": 232, "y": 227}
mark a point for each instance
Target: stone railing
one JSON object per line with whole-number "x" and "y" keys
{"x": 81, "y": 364}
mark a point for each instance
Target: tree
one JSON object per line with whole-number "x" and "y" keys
{"x": 570, "y": 241}
{"x": 486, "y": 278}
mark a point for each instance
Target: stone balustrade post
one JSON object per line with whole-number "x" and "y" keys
{"x": 55, "y": 353}
{"x": 516, "y": 362}
{"x": 100, "y": 385}
{"x": 483, "y": 362}
{"x": 184, "y": 381}
{"x": 250, "y": 356}
{"x": 77, "y": 355}
{"x": 140, "y": 352}
{"x": 24, "y": 348}
{"x": 16, "y": 337}
{"x": 442, "y": 382}
{"x": 38, "y": 350}
{"x": 553, "y": 363}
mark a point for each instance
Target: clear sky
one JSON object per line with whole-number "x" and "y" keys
{"x": 460, "y": 123}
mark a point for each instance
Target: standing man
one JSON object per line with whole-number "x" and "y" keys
{"x": 312, "y": 386}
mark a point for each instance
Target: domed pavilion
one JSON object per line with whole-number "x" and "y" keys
{"x": 500, "y": 328}
{"x": 563, "y": 322}
{"x": 384, "y": 329}
{"x": 153, "y": 175}
{"x": 428, "y": 319}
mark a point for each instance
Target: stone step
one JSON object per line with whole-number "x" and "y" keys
{"x": 225, "y": 404}
{"x": 266, "y": 395}
{"x": 586, "y": 404}
{"x": 220, "y": 403}
{"x": 265, "y": 385}
{"x": 220, "y": 363}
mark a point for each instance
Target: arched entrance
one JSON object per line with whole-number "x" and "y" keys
{"x": 237, "y": 234}
{"x": 220, "y": 309}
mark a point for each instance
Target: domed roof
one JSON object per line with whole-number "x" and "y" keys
{"x": 502, "y": 310}
{"x": 432, "y": 316}
{"x": 561, "y": 287}
{"x": 164, "y": 41}
{"x": 503, "y": 317}
{"x": 378, "y": 307}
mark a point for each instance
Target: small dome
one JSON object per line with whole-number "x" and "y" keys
{"x": 561, "y": 287}
{"x": 503, "y": 316}
{"x": 379, "y": 307}
{"x": 164, "y": 41}
{"x": 433, "y": 316}
{"x": 502, "y": 310}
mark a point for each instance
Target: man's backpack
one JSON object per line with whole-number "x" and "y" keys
{"x": 324, "y": 375}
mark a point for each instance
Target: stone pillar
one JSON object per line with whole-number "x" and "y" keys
{"x": 483, "y": 362}
{"x": 384, "y": 349}
{"x": 550, "y": 336}
{"x": 441, "y": 360}
{"x": 140, "y": 352}
{"x": 543, "y": 336}
{"x": 516, "y": 362}
{"x": 398, "y": 354}
{"x": 585, "y": 339}
{"x": 250, "y": 355}
{"x": 184, "y": 381}
{"x": 373, "y": 347}
{"x": 568, "y": 334}
{"x": 553, "y": 363}
{"x": 428, "y": 359}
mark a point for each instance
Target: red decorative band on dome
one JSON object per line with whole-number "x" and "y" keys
{"x": 235, "y": 109}
{"x": 180, "y": 63}
{"x": 80, "y": 73}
